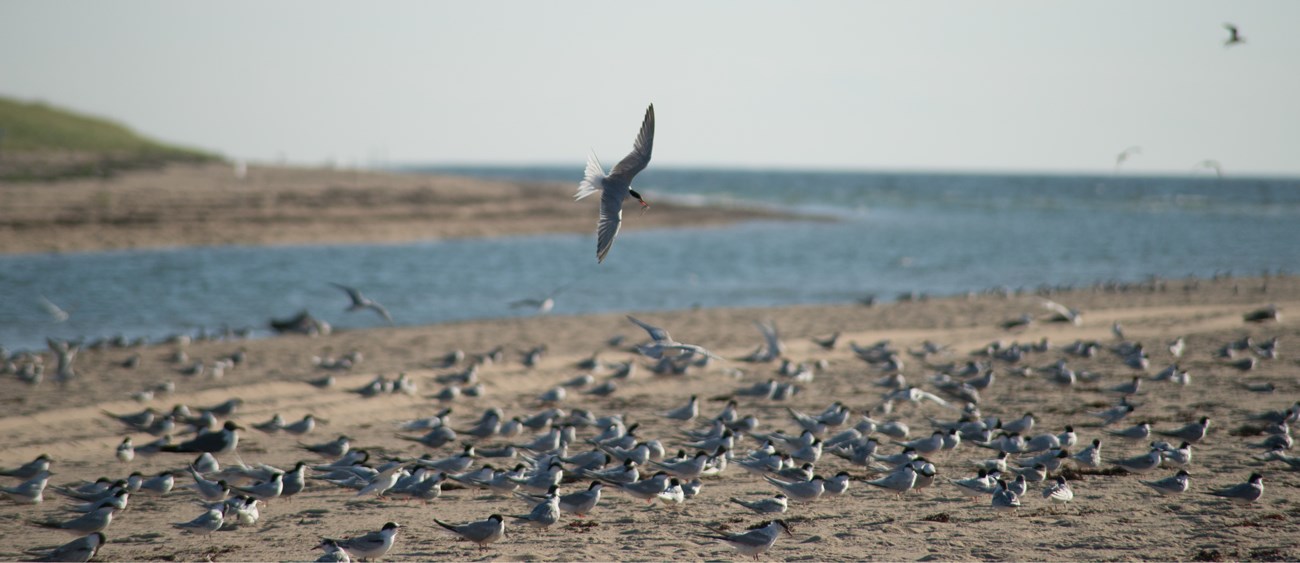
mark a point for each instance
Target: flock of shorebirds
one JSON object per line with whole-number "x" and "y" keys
{"x": 537, "y": 455}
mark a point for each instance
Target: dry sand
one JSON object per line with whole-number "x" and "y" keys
{"x": 194, "y": 205}
{"x": 1112, "y": 517}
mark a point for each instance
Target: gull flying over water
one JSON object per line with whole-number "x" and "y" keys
{"x": 542, "y": 305}
{"x": 360, "y": 301}
{"x": 56, "y": 313}
{"x": 617, "y": 185}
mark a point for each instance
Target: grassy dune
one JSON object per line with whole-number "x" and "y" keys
{"x": 41, "y": 142}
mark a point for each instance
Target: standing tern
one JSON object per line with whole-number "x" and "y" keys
{"x": 775, "y": 505}
{"x": 756, "y": 540}
{"x": 31, "y": 491}
{"x": 1059, "y": 491}
{"x": 80, "y": 549}
{"x": 223, "y": 441}
{"x": 617, "y": 186}
{"x": 800, "y": 491}
{"x": 205, "y": 523}
{"x": 29, "y": 469}
{"x": 89, "y": 523}
{"x": 1004, "y": 499}
{"x": 1192, "y": 432}
{"x": 544, "y": 513}
{"x": 579, "y": 504}
{"x": 118, "y": 500}
{"x": 1244, "y": 493}
{"x": 208, "y": 489}
{"x": 1170, "y": 486}
{"x": 646, "y": 489}
{"x": 686, "y": 412}
{"x": 125, "y": 450}
{"x": 372, "y": 545}
{"x": 333, "y": 553}
{"x": 265, "y": 490}
{"x": 482, "y": 532}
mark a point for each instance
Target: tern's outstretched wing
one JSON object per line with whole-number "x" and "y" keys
{"x": 611, "y": 218}
{"x": 656, "y": 333}
{"x": 353, "y": 293}
{"x": 637, "y": 160}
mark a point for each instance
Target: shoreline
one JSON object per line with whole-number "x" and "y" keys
{"x": 802, "y": 321}
{"x": 262, "y": 330}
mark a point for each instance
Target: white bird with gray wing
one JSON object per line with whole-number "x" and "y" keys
{"x": 617, "y": 185}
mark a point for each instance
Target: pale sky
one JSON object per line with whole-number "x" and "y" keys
{"x": 982, "y": 86}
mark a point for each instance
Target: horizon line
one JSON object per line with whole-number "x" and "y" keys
{"x": 1190, "y": 172}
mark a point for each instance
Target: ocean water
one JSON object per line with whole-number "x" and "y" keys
{"x": 892, "y": 233}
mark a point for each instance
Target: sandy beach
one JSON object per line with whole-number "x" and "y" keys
{"x": 1112, "y": 517}
{"x": 202, "y": 205}
{"x": 867, "y": 281}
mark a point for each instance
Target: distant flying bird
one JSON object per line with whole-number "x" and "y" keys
{"x": 543, "y": 305}
{"x": 56, "y": 313}
{"x": 1125, "y": 154}
{"x": 360, "y": 301}
{"x": 1234, "y": 37}
{"x": 617, "y": 186}
{"x": 1212, "y": 165}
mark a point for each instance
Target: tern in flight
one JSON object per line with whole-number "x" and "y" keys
{"x": 543, "y": 305}
{"x": 663, "y": 342}
{"x": 617, "y": 186}
{"x": 57, "y": 313}
{"x": 360, "y": 301}
{"x": 1212, "y": 165}
{"x": 1123, "y": 156}
{"x": 1234, "y": 36}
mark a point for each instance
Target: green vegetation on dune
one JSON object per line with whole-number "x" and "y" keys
{"x": 38, "y": 141}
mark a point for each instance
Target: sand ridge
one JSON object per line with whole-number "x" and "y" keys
{"x": 206, "y": 205}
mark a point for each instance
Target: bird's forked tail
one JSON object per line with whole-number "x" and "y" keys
{"x": 592, "y": 179}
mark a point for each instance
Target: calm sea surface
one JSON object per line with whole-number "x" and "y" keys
{"x": 894, "y": 233}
